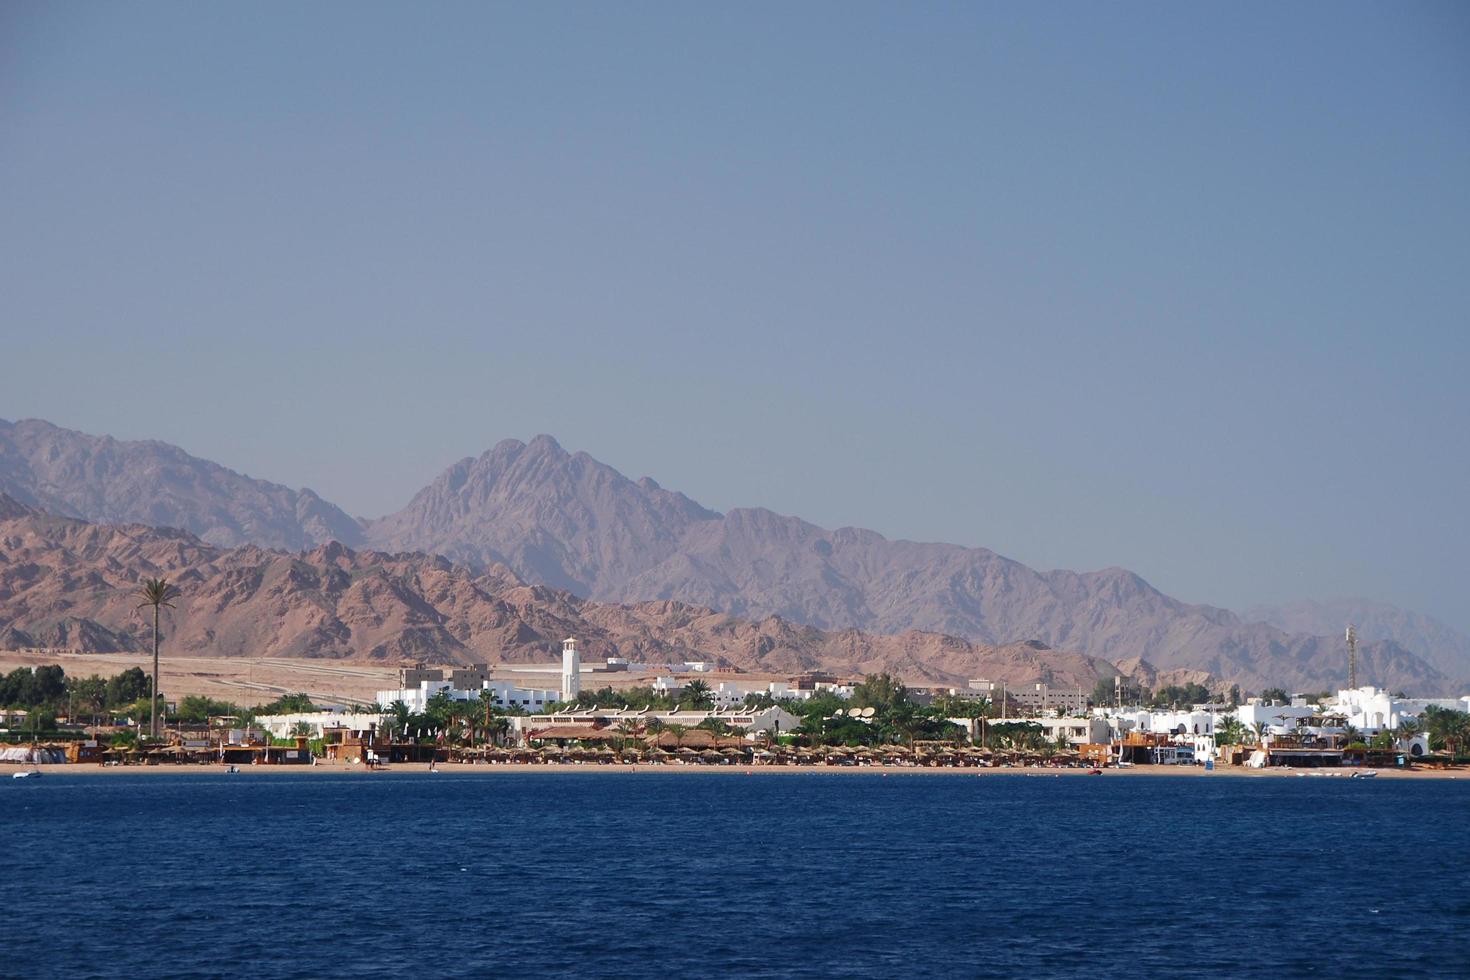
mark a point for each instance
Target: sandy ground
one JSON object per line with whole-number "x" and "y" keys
{"x": 461, "y": 770}
{"x": 250, "y": 681}
{"x": 244, "y": 680}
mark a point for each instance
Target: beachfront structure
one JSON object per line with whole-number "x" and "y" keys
{"x": 1033, "y": 697}
{"x": 284, "y": 726}
{"x": 774, "y": 719}
{"x": 1279, "y": 718}
{"x": 571, "y": 670}
{"x": 504, "y": 693}
{"x": 1077, "y": 731}
{"x": 1371, "y": 710}
{"x": 732, "y": 693}
{"x": 1196, "y": 721}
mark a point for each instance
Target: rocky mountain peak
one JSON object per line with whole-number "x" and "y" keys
{"x": 99, "y": 478}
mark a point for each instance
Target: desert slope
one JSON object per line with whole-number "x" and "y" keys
{"x": 64, "y": 582}
{"x": 566, "y": 520}
{"x": 571, "y": 521}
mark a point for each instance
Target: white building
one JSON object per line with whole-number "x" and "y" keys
{"x": 1371, "y": 710}
{"x": 1168, "y": 722}
{"x": 503, "y": 693}
{"x": 284, "y": 726}
{"x": 1078, "y": 731}
{"x": 1036, "y": 697}
{"x": 1277, "y": 718}
{"x": 571, "y": 670}
{"x": 733, "y": 693}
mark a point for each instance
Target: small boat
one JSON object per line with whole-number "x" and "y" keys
{"x": 1364, "y": 774}
{"x": 1094, "y": 772}
{"x": 27, "y": 774}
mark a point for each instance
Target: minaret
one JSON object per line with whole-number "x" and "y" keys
{"x": 1352, "y": 645}
{"x": 571, "y": 670}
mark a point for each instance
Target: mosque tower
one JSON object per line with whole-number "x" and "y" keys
{"x": 571, "y": 670}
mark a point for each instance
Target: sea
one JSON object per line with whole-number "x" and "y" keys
{"x": 646, "y": 874}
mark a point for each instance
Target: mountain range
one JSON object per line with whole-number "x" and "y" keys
{"x": 105, "y": 480}
{"x": 1441, "y": 645}
{"x": 564, "y": 520}
{"x": 68, "y": 583}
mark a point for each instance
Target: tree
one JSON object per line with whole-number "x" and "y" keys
{"x": 89, "y": 695}
{"x": 48, "y": 685}
{"x": 879, "y": 691}
{"x": 1275, "y": 695}
{"x": 197, "y": 709}
{"x": 395, "y": 719}
{"x": 697, "y": 694}
{"x": 1175, "y": 695}
{"x": 906, "y": 720}
{"x": 715, "y": 726}
{"x": 1231, "y": 731}
{"x": 127, "y": 687}
{"x": 288, "y": 704}
{"x": 1407, "y": 731}
{"x": 16, "y": 687}
{"x": 158, "y": 593}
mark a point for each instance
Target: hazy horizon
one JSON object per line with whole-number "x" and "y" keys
{"x": 1180, "y": 290}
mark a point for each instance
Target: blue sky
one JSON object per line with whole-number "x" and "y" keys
{"x": 1181, "y": 288}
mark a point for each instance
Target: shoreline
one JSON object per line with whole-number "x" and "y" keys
{"x": 455, "y": 769}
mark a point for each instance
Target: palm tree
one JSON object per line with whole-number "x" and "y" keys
{"x": 160, "y": 594}
{"x": 487, "y": 701}
{"x": 1408, "y": 730}
{"x": 697, "y": 694}
{"x": 1258, "y": 728}
{"x": 910, "y": 723}
{"x": 1230, "y": 731}
{"x": 396, "y": 718}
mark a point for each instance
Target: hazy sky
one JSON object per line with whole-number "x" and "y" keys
{"x": 1178, "y": 287}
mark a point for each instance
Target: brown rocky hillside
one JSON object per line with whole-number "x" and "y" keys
{"x": 66, "y": 583}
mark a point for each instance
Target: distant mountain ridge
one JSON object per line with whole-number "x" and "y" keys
{"x": 67, "y": 583}
{"x": 98, "y": 478}
{"x": 1441, "y": 645}
{"x": 574, "y": 522}
{"x": 566, "y": 520}
{"x": 569, "y": 521}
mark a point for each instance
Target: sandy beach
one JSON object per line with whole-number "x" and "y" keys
{"x": 462, "y": 770}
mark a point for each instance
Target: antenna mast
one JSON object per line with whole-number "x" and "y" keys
{"x": 1352, "y": 645}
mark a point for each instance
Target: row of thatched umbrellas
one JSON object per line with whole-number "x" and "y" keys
{"x": 167, "y": 753}
{"x": 773, "y": 755}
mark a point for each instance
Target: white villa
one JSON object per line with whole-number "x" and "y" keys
{"x": 1371, "y": 710}
{"x": 504, "y": 693}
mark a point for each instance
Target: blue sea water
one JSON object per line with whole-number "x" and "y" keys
{"x": 691, "y": 875}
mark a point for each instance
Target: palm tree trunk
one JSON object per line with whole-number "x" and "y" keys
{"x": 153, "y": 704}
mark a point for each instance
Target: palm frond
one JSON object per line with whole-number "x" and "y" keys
{"x": 157, "y": 592}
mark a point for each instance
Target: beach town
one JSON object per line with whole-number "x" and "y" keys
{"x": 614, "y": 715}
